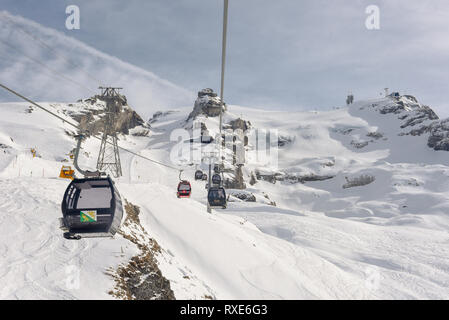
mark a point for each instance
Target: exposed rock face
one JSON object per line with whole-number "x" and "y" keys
{"x": 5, "y": 148}
{"x": 439, "y": 135}
{"x": 91, "y": 117}
{"x": 253, "y": 180}
{"x": 284, "y": 140}
{"x": 205, "y": 131}
{"x": 128, "y": 119}
{"x": 244, "y": 196}
{"x": 291, "y": 178}
{"x": 363, "y": 180}
{"x": 140, "y": 278}
{"x": 269, "y": 177}
{"x": 375, "y": 134}
{"x": 207, "y": 103}
{"x": 158, "y": 115}
{"x": 237, "y": 182}
{"x": 359, "y": 145}
{"x": 419, "y": 116}
{"x": 418, "y": 119}
{"x": 239, "y": 124}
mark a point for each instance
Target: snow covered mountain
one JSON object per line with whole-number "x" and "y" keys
{"x": 41, "y": 59}
{"x": 356, "y": 208}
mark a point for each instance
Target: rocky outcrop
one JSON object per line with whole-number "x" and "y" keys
{"x": 91, "y": 115}
{"x": 159, "y": 114}
{"x": 360, "y": 181}
{"x": 128, "y": 119}
{"x": 140, "y": 278}
{"x": 417, "y": 120}
{"x": 239, "y": 124}
{"x": 5, "y": 148}
{"x": 237, "y": 181}
{"x": 244, "y": 196}
{"x": 207, "y": 103}
{"x": 439, "y": 135}
{"x": 375, "y": 134}
{"x": 284, "y": 140}
{"x": 418, "y": 116}
{"x": 291, "y": 178}
{"x": 359, "y": 145}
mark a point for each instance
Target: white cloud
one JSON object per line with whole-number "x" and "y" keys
{"x": 284, "y": 52}
{"x": 73, "y": 60}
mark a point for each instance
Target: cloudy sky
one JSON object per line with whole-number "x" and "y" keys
{"x": 283, "y": 54}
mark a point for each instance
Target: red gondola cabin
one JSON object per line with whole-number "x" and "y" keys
{"x": 184, "y": 189}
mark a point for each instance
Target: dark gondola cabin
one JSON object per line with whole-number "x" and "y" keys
{"x": 217, "y": 197}
{"x": 91, "y": 207}
{"x": 184, "y": 189}
{"x": 204, "y": 177}
{"x": 198, "y": 175}
{"x": 216, "y": 179}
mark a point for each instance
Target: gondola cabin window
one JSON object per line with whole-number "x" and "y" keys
{"x": 90, "y": 195}
{"x": 217, "y": 194}
{"x": 184, "y": 187}
{"x": 99, "y": 197}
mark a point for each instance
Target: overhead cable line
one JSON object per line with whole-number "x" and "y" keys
{"x": 78, "y": 128}
{"x": 39, "y": 106}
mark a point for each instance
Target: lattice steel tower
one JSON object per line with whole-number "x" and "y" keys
{"x": 109, "y": 156}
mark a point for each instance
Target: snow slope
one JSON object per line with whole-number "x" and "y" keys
{"x": 392, "y": 233}
{"x": 387, "y": 239}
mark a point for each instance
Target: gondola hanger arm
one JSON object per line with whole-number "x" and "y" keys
{"x": 180, "y": 173}
{"x": 86, "y": 173}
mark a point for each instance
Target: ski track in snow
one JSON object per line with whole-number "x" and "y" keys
{"x": 31, "y": 243}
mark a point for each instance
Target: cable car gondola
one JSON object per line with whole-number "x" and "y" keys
{"x": 216, "y": 179}
{"x": 206, "y": 139}
{"x": 217, "y": 197}
{"x": 204, "y": 178}
{"x": 91, "y": 206}
{"x": 198, "y": 175}
{"x": 184, "y": 189}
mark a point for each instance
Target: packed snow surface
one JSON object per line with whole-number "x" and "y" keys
{"x": 382, "y": 236}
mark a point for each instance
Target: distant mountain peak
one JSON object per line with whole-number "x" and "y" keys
{"x": 413, "y": 118}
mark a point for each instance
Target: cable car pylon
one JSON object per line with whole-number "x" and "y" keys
{"x": 223, "y": 61}
{"x": 109, "y": 155}
{"x": 78, "y": 128}
{"x": 92, "y": 206}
